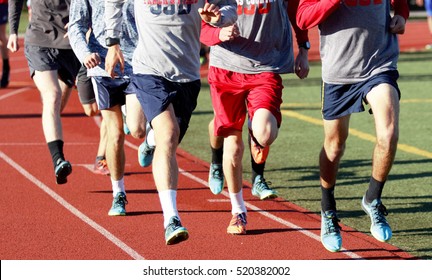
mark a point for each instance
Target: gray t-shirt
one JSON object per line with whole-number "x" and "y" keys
{"x": 356, "y": 43}
{"x": 264, "y": 44}
{"x": 47, "y": 25}
{"x": 168, "y": 43}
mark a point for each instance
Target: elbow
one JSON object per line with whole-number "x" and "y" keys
{"x": 301, "y": 20}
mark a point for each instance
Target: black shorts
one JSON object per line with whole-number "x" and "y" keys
{"x": 49, "y": 59}
{"x": 84, "y": 85}
{"x": 156, "y": 93}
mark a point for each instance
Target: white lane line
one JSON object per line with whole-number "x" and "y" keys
{"x": 273, "y": 217}
{"x": 14, "y": 92}
{"x": 123, "y": 246}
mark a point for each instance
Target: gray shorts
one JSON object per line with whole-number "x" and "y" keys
{"x": 49, "y": 59}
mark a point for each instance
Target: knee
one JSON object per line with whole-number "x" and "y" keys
{"x": 137, "y": 131}
{"x": 388, "y": 141}
{"x": 334, "y": 150}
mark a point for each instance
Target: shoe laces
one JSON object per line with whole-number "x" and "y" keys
{"x": 378, "y": 213}
{"x": 332, "y": 223}
{"x": 174, "y": 223}
{"x": 120, "y": 200}
{"x": 262, "y": 185}
{"x": 101, "y": 164}
{"x": 238, "y": 220}
{"x": 148, "y": 150}
{"x": 217, "y": 173}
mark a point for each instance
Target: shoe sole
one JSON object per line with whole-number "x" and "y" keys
{"x": 113, "y": 214}
{"x": 236, "y": 232}
{"x": 61, "y": 175}
{"x": 177, "y": 237}
{"x": 271, "y": 196}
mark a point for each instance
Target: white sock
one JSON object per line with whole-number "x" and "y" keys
{"x": 123, "y": 109}
{"x": 118, "y": 186}
{"x": 168, "y": 200}
{"x": 150, "y": 138}
{"x": 237, "y": 202}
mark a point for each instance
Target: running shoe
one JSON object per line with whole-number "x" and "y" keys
{"x": 261, "y": 188}
{"x": 101, "y": 167}
{"x": 237, "y": 224}
{"x": 145, "y": 150}
{"x": 118, "y": 207}
{"x": 62, "y": 170}
{"x": 259, "y": 153}
{"x": 380, "y": 228}
{"x": 330, "y": 231}
{"x": 175, "y": 232}
{"x": 216, "y": 178}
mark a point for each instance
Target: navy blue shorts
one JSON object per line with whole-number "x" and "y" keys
{"x": 85, "y": 87}
{"x": 49, "y": 59}
{"x": 110, "y": 92}
{"x": 156, "y": 93}
{"x": 4, "y": 8}
{"x": 342, "y": 100}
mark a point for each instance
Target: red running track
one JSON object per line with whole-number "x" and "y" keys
{"x": 44, "y": 221}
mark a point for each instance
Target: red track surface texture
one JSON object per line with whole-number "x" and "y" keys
{"x": 42, "y": 220}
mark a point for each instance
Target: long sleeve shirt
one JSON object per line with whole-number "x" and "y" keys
{"x": 85, "y": 14}
{"x": 47, "y": 25}
{"x": 355, "y": 38}
{"x": 168, "y": 35}
{"x": 265, "y": 43}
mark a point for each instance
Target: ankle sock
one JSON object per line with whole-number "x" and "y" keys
{"x": 375, "y": 190}
{"x": 56, "y": 150}
{"x": 328, "y": 201}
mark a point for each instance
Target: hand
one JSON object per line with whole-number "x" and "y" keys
{"x": 420, "y": 3}
{"x": 301, "y": 67}
{"x": 66, "y": 27}
{"x": 229, "y": 33}
{"x": 92, "y": 60}
{"x": 210, "y": 13}
{"x": 13, "y": 44}
{"x": 397, "y": 25}
{"x": 114, "y": 57}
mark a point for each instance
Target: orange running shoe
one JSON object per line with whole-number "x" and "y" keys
{"x": 259, "y": 154}
{"x": 237, "y": 224}
{"x": 101, "y": 167}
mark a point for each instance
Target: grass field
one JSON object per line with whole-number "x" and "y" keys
{"x": 293, "y": 163}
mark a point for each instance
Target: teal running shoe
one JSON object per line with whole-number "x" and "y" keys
{"x": 330, "y": 231}
{"x": 216, "y": 178}
{"x": 380, "y": 228}
{"x": 62, "y": 170}
{"x": 126, "y": 129}
{"x": 118, "y": 207}
{"x": 261, "y": 188}
{"x": 175, "y": 232}
{"x": 145, "y": 150}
